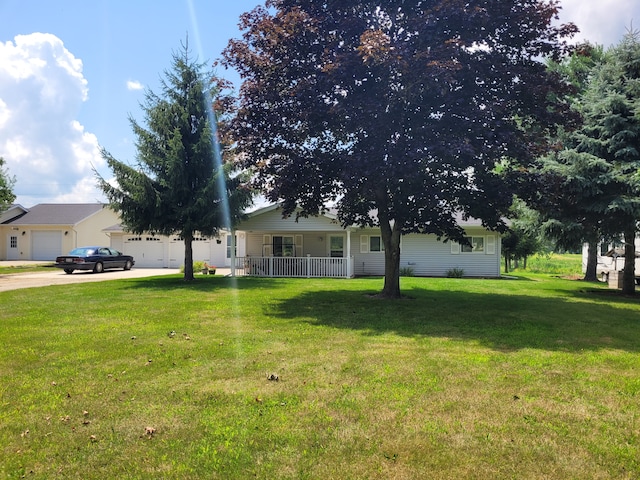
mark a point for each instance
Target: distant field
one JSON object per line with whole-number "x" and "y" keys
{"x": 554, "y": 263}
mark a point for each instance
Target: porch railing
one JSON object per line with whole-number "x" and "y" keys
{"x": 305, "y": 267}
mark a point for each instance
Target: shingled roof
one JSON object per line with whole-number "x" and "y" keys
{"x": 57, "y": 214}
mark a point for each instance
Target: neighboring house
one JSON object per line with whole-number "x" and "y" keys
{"x": 319, "y": 246}
{"x": 47, "y": 230}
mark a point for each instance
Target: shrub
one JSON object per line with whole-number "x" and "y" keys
{"x": 197, "y": 266}
{"x": 406, "y": 271}
{"x": 455, "y": 272}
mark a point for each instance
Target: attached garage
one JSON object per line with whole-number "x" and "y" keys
{"x": 46, "y": 244}
{"x": 147, "y": 250}
{"x": 160, "y": 251}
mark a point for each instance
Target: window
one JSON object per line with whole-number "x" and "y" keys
{"x": 13, "y": 242}
{"x": 371, "y": 243}
{"x": 283, "y": 246}
{"x": 375, "y": 244}
{"x": 477, "y": 245}
{"x": 229, "y": 246}
{"x": 336, "y": 246}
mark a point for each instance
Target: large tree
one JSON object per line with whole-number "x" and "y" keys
{"x": 6, "y": 188}
{"x": 180, "y": 184}
{"x": 397, "y": 111}
{"x": 569, "y": 186}
{"x": 611, "y": 133}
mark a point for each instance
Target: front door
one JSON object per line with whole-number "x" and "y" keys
{"x": 13, "y": 252}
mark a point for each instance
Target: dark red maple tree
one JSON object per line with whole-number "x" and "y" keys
{"x": 402, "y": 108}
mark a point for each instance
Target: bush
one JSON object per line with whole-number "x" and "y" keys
{"x": 455, "y": 273}
{"x": 406, "y": 271}
{"x": 197, "y": 266}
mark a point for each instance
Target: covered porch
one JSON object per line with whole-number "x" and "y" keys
{"x": 283, "y": 247}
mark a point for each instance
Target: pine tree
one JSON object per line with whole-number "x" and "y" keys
{"x": 592, "y": 185}
{"x": 180, "y": 186}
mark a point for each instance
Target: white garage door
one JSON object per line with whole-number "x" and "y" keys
{"x": 201, "y": 248}
{"x": 46, "y": 244}
{"x": 147, "y": 251}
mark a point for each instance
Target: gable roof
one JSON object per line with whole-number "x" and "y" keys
{"x": 57, "y": 214}
{"x": 11, "y": 213}
{"x": 332, "y": 214}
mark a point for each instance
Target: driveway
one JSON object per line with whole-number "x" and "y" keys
{"x": 58, "y": 277}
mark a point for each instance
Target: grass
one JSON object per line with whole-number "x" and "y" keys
{"x": 29, "y": 268}
{"x": 528, "y": 378}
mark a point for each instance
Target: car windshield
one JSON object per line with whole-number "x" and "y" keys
{"x": 82, "y": 252}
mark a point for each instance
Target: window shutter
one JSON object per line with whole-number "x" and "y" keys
{"x": 267, "y": 247}
{"x": 491, "y": 245}
{"x": 298, "y": 242}
{"x": 455, "y": 248}
{"x": 364, "y": 243}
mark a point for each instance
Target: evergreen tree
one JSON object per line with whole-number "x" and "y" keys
{"x": 180, "y": 185}
{"x": 611, "y": 132}
{"x": 592, "y": 183}
{"x": 567, "y": 184}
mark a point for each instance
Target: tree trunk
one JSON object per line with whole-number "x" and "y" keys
{"x": 628, "y": 278}
{"x": 391, "y": 241}
{"x": 188, "y": 257}
{"x": 591, "y": 274}
{"x": 506, "y": 263}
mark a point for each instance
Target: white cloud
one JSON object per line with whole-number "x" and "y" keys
{"x": 134, "y": 85}
{"x": 42, "y": 88}
{"x": 602, "y": 22}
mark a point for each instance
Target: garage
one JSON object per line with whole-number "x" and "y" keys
{"x": 146, "y": 250}
{"x": 159, "y": 251}
{"x": 46, "y": 244}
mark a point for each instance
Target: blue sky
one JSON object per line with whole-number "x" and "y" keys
{"x": 72, "y": 71}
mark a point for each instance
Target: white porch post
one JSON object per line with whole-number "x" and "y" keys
{"x": 347, "y": 273}
{"x": 233, "y": 252}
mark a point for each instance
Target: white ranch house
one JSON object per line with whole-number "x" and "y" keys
{"x": 273, "y": 246}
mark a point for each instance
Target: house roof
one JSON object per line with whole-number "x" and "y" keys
{"x": 332, "y": 214}
{"x": 11, "y": 213}
{"x": 57, "y": 214}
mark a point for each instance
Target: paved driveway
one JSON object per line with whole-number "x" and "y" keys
{"x": 58, "y": 277}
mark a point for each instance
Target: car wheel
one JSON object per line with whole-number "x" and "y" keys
{"x": 127, "y": 266}
{"x": 604, "y": 276}
{"x": 68, "y": 271}
{"x": 98, "y": 268}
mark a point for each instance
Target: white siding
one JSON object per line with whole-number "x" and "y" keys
{"x": 429, "y": 257}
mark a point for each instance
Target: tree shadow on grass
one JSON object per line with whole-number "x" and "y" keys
{"x": 204, "y": 283}
{"x": 498, "y": 321}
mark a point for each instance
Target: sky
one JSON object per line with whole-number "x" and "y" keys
{"x": 72, "y": 72}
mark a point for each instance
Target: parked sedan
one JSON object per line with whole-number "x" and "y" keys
{"x": 97, "y": 259}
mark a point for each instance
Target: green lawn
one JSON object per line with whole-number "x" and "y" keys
{"x": 530, "y": 378}
{"x": 30, "y": 268}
